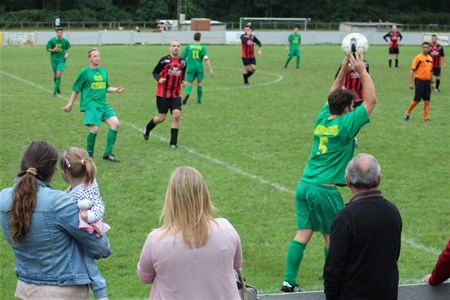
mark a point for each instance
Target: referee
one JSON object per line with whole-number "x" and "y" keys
{"x": 421, "y": 72}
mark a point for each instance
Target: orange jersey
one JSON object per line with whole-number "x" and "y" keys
{"x": 422, "y": 66}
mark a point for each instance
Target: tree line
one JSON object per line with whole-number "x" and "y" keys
{"x": 401, "y": 11}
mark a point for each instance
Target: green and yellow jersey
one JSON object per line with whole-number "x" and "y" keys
{"x": 92, "y": 84}
{"x": 294, "y": 40}
{"x": 194, "y": 54}
{"x": 62, "y": 44}
{"x": 333, "y": 146}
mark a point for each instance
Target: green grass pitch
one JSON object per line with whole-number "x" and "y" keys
{"x": 250, "y": 144}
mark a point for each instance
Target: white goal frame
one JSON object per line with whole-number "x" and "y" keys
{"x": 244, "y": 20}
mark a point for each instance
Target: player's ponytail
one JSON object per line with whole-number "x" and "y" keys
{"x": 76, "y": 163}
{"x": 38, "y": 163}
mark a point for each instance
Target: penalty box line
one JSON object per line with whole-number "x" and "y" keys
{"x": 277, "y": 186}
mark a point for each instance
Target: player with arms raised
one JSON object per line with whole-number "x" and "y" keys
{"x": 317, "y": 198}
{"x": 438, "y": 55}
{"x": 195, "y": 54}
{"x": 394, "y": 38}
{"x": 58, "y": 46}
{"x": 248, "y": 41}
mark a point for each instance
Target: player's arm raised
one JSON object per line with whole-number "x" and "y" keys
{"x": 368, "y": 88}
{"x": 340, "y": 76}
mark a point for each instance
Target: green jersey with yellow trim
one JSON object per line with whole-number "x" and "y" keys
{"x": 92, "y": 83}
{"x": 333, "y": 146}
{"x": 194, "y": 54}
{"x": 294, "y": 40}
{"x": 62, "y": 44}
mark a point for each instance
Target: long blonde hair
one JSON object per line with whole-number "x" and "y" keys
{"x": 188, "y": 209}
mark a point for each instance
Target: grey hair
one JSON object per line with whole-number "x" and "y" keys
{"x": 363, "y": 175}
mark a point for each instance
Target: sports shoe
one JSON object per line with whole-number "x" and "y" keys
{"x": 246, "y": 85}
{"x": 111, "y": 157}
{"x": 427, "y": 120}
{"x": 185, "y": 100}
{"x": 59, "y": 91}
{"x": 145, "y": 134}
{"x": 55, "y": 94}
{"x": 174, "y": 146}
{"x": 406, "y": 117}
{"x": 287, "y": 288}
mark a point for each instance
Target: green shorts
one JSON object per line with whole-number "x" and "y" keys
{"x": 192, "y": 74}
{"x": 58, "y": 65}
{"x": 317, "y": 206}
{"x": 294, "y": 51}
{"x": 96, "y": 115}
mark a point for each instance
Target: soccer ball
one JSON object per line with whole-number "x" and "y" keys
{"x": 355, "y": 42}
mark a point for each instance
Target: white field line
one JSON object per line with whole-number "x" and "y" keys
{"x": 277, "y": 186}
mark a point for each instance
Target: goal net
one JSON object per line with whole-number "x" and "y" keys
{"x": 17, "y": 38}
{"x": 275, "y": 23}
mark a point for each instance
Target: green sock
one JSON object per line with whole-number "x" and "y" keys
{"x": 110, "y": 141}
{"x": 188, "y": 89}
{"x": 293, "y": 260}
{"x": 325, "y": 252}
{"x": 287, "y": 61}
{"x": 298, "y": 61}
{"x": 91, "y": 143}
{"x": 57, "y": 83}
{"x": 199, "y": 93}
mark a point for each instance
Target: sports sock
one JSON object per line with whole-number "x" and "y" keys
{"x": 325, "y": 253}
{"x": 250, "y": 73}
{"x": 245, "y": 78}
{"x": 57, "y": 84}
{"x": 297, "y": 62}
{"x": 411, "y": 106}
{"x": 54, "y": 79}
{"x": 188, "y": 89}
{"x": 396, "y": 63}
{"x": 91, "y": 143}
{"x": 293, "y": 260}
{"x": 110, "y": 141}
{"x": 173, "y": 136}
{"x": 390, "y": 63}
{"x": 150, "y": 126}
{"x": 287, "y": 61}
{"x": 199, "y": 93}
{"x": 426, "y": 109}
{"x": 438, "y": 82}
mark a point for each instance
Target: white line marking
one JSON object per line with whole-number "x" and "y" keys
{"x": 279, "y": 187}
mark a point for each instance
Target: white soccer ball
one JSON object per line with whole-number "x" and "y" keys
{"x": 355, "y": 42}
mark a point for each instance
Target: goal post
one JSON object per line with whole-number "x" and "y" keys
{"x": 275, "y": 23}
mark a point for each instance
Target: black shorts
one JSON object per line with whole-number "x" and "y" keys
{"x": 437, "y": 71}
{"x": 164, "y": 104}
{"x": 248, "y": 61}
{"x": 394, "y": 50}
{"x": 422, "y": 90}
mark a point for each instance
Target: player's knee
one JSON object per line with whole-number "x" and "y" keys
{"x": 93, "y": 129}
{"x": 116, "y": 125}
{"x": 160, "y": 119}
{"x": 176, "y": 114}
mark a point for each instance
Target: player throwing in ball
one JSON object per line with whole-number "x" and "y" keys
{"x": 93, "y": 84}
{"x": 169, "y": 74}
{"x": 317, "y": 198}
{"x": 58, "y": 46}
{"x": 248, "y": 41}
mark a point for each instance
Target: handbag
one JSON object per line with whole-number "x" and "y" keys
{"x": 246, "y": 292}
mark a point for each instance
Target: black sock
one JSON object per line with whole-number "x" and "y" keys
{"x": 150, "y": 126}
{"x": 186, "y": 98}
{"x": 438, "y": 81}
{"x": 396, "y": 63}
{"x": 390, "y": 63}
{"x": 250, "y": 73}
{"x": 245, "y": 78}
{"x": 173, "y": 136}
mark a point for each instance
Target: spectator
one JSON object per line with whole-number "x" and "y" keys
{"x": 365, "y": 239}
{"x": 441, "y": 271}
{"x": 193, "y": 255}
{"x": 41, "y": 226}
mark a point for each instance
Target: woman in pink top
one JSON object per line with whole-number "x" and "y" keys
{"x": 193, "y": 255}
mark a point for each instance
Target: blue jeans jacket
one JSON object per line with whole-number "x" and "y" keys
{"x": 53, "y": 250}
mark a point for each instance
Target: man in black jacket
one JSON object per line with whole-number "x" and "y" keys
{"x": 365, "y": 239}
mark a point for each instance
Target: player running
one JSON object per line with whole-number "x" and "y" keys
{"x": 293, "y": 47}
{"x": 421, "y": 72}
{"x": 169, "y": 73}
{"x": 437, "y": 52}
{"x": 58, "y": 46}
{"x": 394, "y": 38}
{"x": 93, "y": 84}
{"x": 248, "y": 41}
{"x": 195, "y": 54}
{"x": 317, "y": 198}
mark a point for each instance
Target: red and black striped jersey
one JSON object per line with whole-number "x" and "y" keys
{"x": 353, "y": 82}
{"x": 172, "y": 69}
{"x": 394, "y": 38}
{"x": 437, "y": 52}
{"x": 248, "y": 45}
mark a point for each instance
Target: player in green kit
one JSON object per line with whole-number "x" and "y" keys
{"x": 195, "y": 54}
{"x": 295, "y": 40}
{"x": 317, "y": 198}
{"x": 92, "y": 82}
{"x": 58, "y": 46}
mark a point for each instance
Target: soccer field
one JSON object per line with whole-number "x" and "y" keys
{"x": 250, "y": 144}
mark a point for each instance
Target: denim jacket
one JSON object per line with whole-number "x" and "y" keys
{"x": 53, "y": 248}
